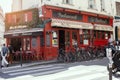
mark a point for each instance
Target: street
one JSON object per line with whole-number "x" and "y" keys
{"x": 86, "y": 70}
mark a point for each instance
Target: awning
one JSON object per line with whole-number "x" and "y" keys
{"x": 71, "y": 24}
{"x": 17, "y": 32}
{"x": 103, "y": 27}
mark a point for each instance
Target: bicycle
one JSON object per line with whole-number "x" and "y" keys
{"x": 62, "y": 56}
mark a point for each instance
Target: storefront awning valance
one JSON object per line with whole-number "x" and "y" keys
{"x": 103, "y": 27}
{"x": 71, "y": 24}
{"x": 16, "y": 32}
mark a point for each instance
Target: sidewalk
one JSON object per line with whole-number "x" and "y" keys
{"x": 28, "y": 64}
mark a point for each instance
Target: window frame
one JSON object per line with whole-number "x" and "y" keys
{"x": 68, "y": 2}
{"x": 102, "y": 5}
{"x": 91, "y": 4}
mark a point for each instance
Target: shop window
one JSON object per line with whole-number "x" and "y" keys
{"x": 98, "y": 33}
{"x": 42, "y": 40}
{"x": 94, "y": 36}
{"x": 86, "y": 37}
{"x": 107, "y": 35}
{"x": 48, "y": 39}
{"x": 26, "y": 43}
{"x": 74, "y": 38}
{"x": 55, "y": 38}
{"x": 81, "y": 39}
{"x": 34, "y": 41}
{"x": 67, "y": 40}
{"x": 86, "y": 34}
{"x": 102, "y": 35}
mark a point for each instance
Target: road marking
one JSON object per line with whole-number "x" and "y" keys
{"x": 28, "y": 68}
{"x": 89, "y": 77}
{"x": 33, "y": 71}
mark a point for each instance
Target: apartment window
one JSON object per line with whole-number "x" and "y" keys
{"x": 102, "y": 5}
{"x": 26, "y": 18}
{"x": 67, "y": 1}
{"x": 118, "y": 8}
{"x": 14, "y": 18}
{"x": 92, "y": 4}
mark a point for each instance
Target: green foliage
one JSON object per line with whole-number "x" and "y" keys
{"x": 20, "y": 19}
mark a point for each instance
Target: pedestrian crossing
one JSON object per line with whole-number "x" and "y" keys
{"x": 34, "y": 70}
{"x": 58, "y": 72}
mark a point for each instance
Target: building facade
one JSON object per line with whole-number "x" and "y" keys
{"x": 58, "y": 28}
{"x": 116, "y": 22}
{"x": 2, "y": 27}
{"x": 45, "y": 26}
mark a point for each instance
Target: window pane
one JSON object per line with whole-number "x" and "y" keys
{"x": 55, "y": 38}
{"x": 74, "y": 38}
{"x": 47, "y": 39}
{"x": 42, "y": 40}
{"x": 24, "y": 44}
{"x": 81, "y": 39}
{"x": 67, "y": 40}
{"x": 86, "y": 37}
{"x": 34, "y": 42}
{"x": 28, "y": 43}
{"x": 99, "y": 34}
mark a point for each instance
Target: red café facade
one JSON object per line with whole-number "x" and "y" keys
{"x": 64, "y": 28}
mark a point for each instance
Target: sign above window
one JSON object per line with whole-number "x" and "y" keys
{"x": 98, "y": 20}
{"x": 64, "y": 15}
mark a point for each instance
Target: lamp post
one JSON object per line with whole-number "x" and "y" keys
{"x": 21, "y": 57}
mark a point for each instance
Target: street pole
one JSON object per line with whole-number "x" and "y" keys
{"x": 109, "y": 56}
{"x": 110, "y": 71}
{"x": 21, "y": 57}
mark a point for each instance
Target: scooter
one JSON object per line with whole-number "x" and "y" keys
{"x": 116, "y": 63}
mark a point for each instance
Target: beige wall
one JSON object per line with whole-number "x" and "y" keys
{"x": 119, "y": 33}
{"x": 24, "y": 4}
{"x": 77, "y": 4}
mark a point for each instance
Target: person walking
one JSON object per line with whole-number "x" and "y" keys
{"x": 4, "y": 53}
{"x": 10, "y": 54}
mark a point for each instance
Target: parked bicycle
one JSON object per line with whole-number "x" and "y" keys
{"x": 62, "y": 56}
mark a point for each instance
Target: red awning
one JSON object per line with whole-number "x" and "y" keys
{"x": 17, "y": 31}
{"x": 103, "y": 27}
{"x": 71, "y": 24}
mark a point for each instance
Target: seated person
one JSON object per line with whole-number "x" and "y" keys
{"x": 116, "y": 59}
